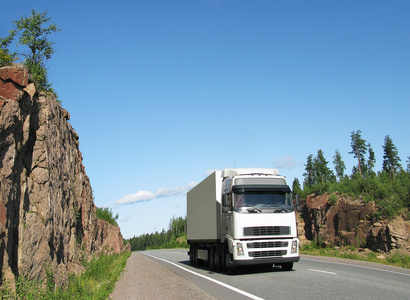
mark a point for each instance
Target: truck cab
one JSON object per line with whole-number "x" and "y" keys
{"x": 259, "y": 225}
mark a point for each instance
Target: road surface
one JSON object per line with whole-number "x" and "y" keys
{"x": 311, "y": 278}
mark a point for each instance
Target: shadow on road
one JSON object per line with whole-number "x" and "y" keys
{"x": 246, "y": 270}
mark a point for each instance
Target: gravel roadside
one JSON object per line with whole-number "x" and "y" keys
{"x": 144, "y": 278}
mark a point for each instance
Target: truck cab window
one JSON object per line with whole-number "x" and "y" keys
{"x": 263, "y": 199}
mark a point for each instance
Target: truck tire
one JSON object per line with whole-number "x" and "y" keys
{"x": 211, "y": 258}
{"x": 193, "y": 255}
{"x": 217, "y": 261}
{"x": 287, "y": 266}
{"x": 225, "y": 259}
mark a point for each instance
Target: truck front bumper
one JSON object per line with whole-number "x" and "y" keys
{"x": 263, "y": 261}
{"x": 263, "y": 252}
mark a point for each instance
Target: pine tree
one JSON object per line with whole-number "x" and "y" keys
{"x": 408, "y": 164}
{"x": 322, "y": 173}
{"x": 391, "y": 159}
{"x": 296, "y": 188}
{"x": 309, "y": 180}
{"x": 371, "y": 162}
{"x": 359, "y": 149}
{"x": 339, "y": 164}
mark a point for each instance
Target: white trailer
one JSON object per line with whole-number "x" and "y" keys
{"x": 239, "y": 217}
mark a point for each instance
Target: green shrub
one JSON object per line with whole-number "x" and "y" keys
{"x": 97, "y": 282}
{"x": 106, "y": 215}
{"x": 333, "y": 200}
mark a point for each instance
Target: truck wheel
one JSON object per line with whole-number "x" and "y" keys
{"x": 211, "y": 259}
{"x": 225, "y": 259}
{"x": 287, "y": 266}
{"x": 193, "y": 255}
{"x": 217, "y": 261}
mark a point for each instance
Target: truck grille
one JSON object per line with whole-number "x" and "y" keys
{"x": 260, "y": 245}
{"x": 266, "y": 230}
{"x": 267, "y": 253}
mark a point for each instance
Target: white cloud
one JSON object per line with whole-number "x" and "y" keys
{"x": 286, "y": 162}
{"x": 162, "y": 193}
{"x": 138, "y": 196}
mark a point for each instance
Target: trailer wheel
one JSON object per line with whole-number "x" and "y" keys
{"x": 193, "y": 255}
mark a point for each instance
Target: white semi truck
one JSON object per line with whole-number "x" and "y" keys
{"x": 238, "y": 217}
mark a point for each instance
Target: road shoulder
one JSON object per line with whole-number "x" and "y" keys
{"x": 144, "y": 278}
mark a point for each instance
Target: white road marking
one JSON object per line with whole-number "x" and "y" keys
{"x": 208, "y": 278}
{"x": 320, "y": 271}
{"x": 356, "y": 266}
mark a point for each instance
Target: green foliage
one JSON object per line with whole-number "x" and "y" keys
{"x": 339, "y": 164}
{"x": 359, "y": 149}
{"x": 33, "y": 34}
{"x": 107, "y": 215}
{"x": 390, "y": 196}
{"x": 309, "y": 180}
{"x": 317, "y": 174}
{"x": 391, "y": 159}
{"x": 333, "y": 200}
{"x": 175, "y": 237}
{"x": 97, "y": 282}
{"x": 389, "y": 189}
{"x": 7, "y": 57}
{"x": 296, "y": 188}
{"x": 351, "y": 252}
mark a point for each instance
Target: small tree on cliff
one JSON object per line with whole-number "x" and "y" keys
{"x": 296, "y": 188}
{"x": 309, "y": 180}
{"x": 359, "y": 148}
{"x": 339, "y": 164}
{"x": 7, "y": 57}
{"x": 32, "y": 33}
{"x": 391, "y": 159}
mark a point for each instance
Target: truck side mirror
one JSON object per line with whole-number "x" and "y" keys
{"x": 298, "y": 204}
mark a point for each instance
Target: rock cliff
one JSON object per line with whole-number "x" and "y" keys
{"x": 350, "y": 222}
{"x": 47, "y": 215}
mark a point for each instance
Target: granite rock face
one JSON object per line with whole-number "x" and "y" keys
{"x": 350, "y": 222}
{"x": 47, "y": 215}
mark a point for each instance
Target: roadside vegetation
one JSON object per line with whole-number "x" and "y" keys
{"x": 174, "y": 237}
{"x": 350, "y": 252}
{"x": 389, "y": 188}
{"x": 97, "y": 282}
{"x": 107, "y": 215}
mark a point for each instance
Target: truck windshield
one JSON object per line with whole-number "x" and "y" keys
{"x": 264, "y": 199}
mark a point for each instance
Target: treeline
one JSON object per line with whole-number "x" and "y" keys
{"x": 174, "y": 237}
{"x": 389, "y": 188}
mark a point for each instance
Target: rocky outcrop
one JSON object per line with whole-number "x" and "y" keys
{"x": 47, "y": 215}
{"x": 351, "y": 222}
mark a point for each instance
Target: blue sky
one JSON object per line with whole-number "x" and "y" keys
{"x": 163, "y": 92}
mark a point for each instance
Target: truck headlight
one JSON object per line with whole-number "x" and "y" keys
{"x": 294, "y": 247}
{"x": 239, "y": 249}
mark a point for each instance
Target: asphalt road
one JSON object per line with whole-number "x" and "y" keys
{"x": 311, "y": 278}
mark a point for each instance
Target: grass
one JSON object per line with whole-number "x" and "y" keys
{"x": 350, "y": 252}
{"x": 97, "y": 282}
